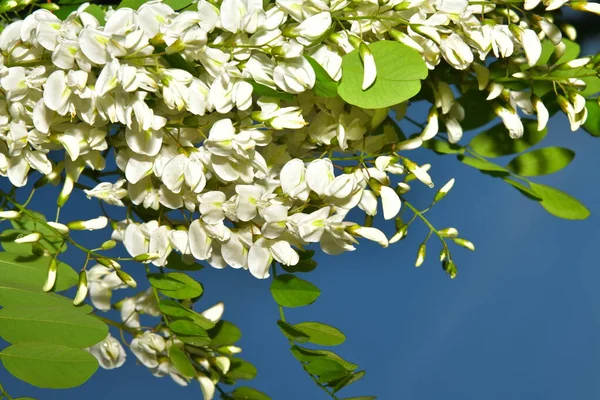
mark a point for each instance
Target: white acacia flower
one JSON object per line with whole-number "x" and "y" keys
{"x": 109, "y": 353}
{"x": 111, "y": 193}
{"x": 101, "y": 282}
{"x": 146, "y": 347}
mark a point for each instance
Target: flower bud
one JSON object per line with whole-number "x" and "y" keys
{"x": 419, "y": 172}
{"x": 402, "y": 188}
{"x": 90, "y": 225}
{"x": 109, "y": 244}
{"x": 51, "y": 278}
{"x": 50, "y": 6}
{"x": 126, "y": 278}
{"x": 146, "y": 257}
{"x": 400, "y": 234}
{"x": 370, "y": 69}
{"x": 443, "y": 191}
{"x": 464, "y": 243}
{"x": 61, "y": 228}
{"x": 31, "y": 238}
{"x": 585, "y": 6}
{"x": 375, "y": 186}
{"x": 82, "y": 289}
{"x": 448, "y": 232}
{"x": 107, "y": 262}
{"x": 10, "y": 214}
{"x": 450, "y": 268}
{"x": 421, "y": 254}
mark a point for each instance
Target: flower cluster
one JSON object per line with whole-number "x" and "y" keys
{"x": 218, "y": 133}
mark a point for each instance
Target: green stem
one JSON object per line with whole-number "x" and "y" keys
{"x": 426, "y": 221}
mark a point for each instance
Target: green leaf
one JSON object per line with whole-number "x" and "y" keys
{"x": 174, "y": 309}
{"x": 322, "y": 334}
{"x": 178, "y": 4}
{"x": 224, "y": 333}
{"x": 134, "y": 4}
{"x": 547, "y": 50}
{"x": 541, "y": 161}
{"x": 360, "y": 398}
{"x": 15, "y": 294}
{"x": 241, "y": 369}
{"x": 482, "y": 165}
{"x": 527, "y": 191}
{"x": 55, "y": 325}
{"x": 247, "y": 393}
{"x": 291, "y": 291}
{"x": 65, "y": 10}
{"x": 196, "y": 341}
{"x": 49, "y": 366}
{"x": 306, "y": 355}
{"x": 50, "y": 241}
{"x": 572, "y": 50}
{"x": 592, "y": 86}
{"x": 399, "y": 71}
{"x": 33, "y": 270}
{"x": 347, "y": 381}
{"x": 496, "y": 142}
{"x": 262, "y": 90}
{"x": 181, "y": 362}
{"x": 324, "y": 85}
{"x": 96, "y": 11}
{"x": 175, "y": 261}
{"x": 176, "y": 285}
{"x": 592, "y": 123}
{"x": 292, "y": 332}
{"x": 301, "y": 266}
{"x": 443, "y": 147}
{"x": 478, "y": 111}
{"x": 326, "y": 370}
{"x": 7, "y": 239}
{"x": 559, "y": 203}
{"x": 188, "y": 328}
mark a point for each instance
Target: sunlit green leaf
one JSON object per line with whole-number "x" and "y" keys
{"x": 399, "y": 72}
{"x": 482, "y": 165}
{"x": 33, "y": 270}
{"x": 291, "y": 291}
{"x": 187, "y": 327}
{"x": 55, "y": 325}
{"x": 178, "y": 4}
{"x": 322, "y": 334}
{"x": 176, "y": 285}
{"x": 541, "y": 161}
{"x": 292, "y": 332}
{"x": 224, "y": 333}
{"x": 559, "y": 203}
{"x": 527, "y": 191}
{"x": 305, "y": 355}
{"x": 247, "y": 393}
{"x": 326, "y": 370}
{"x": 241, "y": 369}
{"x": 348, "y": 380}
{"x": 592, "y": 123}
{"x": 181, "y": 362}
{"x": 49, "y": 365}
{"x": 97, "y": 11}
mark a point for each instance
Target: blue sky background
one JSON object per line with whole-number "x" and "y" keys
{"x": 521, "y": 320}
